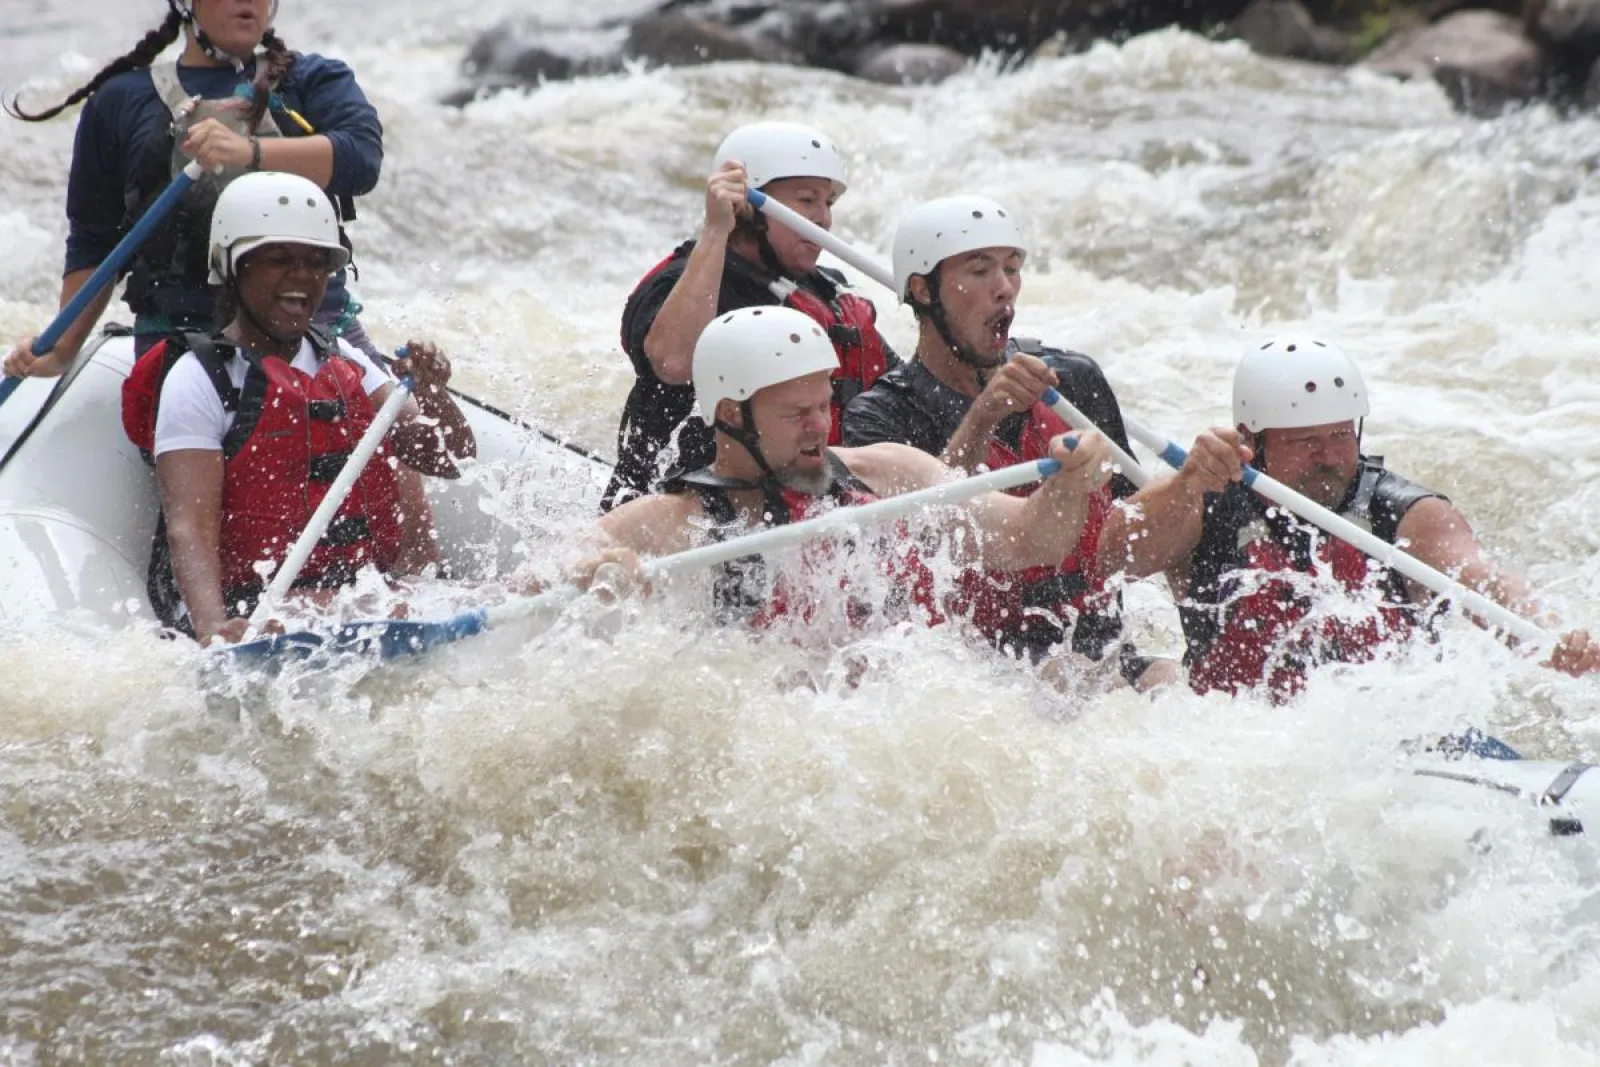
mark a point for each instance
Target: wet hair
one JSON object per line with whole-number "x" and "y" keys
{"x": 270, "y": 72}
{"x": 142, "y": 55}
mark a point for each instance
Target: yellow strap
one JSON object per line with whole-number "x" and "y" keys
{"x": 299, "y": 119}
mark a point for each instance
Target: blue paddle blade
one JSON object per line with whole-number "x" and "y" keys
{"x": 297, "y": 645}
{"x": 393, "y": 638}
{"x": 389, "y": 638}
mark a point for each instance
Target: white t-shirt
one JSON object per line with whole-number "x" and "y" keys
{"x": 191, "y": 415}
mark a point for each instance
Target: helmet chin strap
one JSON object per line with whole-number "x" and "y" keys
{"x": 747, "y": 436}
{"x": 769, "y": 257}
{"x": 185, "y": 11}
{"x": 771, "y": 487}
{"x": 941, "y": 323}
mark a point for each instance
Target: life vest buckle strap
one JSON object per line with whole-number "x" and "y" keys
{"x": 326, "y": 410}
{"x": 326, "y": 467}
{"x": 1055, "y": 590}
{"x": 844, "y": 336}
{"x": 346, "y": 530}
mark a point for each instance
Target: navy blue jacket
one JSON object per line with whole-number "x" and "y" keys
{"x": 120, "y": 120}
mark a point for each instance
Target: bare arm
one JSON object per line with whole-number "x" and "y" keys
{"x": 21, "y": 362}
{"x": 310, "y": 157}
{"x": 191, "y": 498}
{"x": 650, "y": 525}
{"x": 1158, "y": 527}
{"x": 1042, "y": 529}
{"x": 689, "y": 309}
{"x": 692, "y": 304}
{"x": 1012, "y": 533}
{"x": 1015, "y": 387}
{"x": 432, "y": 432}
{"x": 1440, "y": 536}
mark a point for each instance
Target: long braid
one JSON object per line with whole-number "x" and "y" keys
{"x": 271, "y": 69}
{"x": 143, "y": 54}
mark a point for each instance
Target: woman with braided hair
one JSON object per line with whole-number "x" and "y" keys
{"x": 236, "y": 100}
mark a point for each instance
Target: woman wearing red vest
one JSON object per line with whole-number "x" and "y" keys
{"x": 249, "y": 427}
{"x": 737, "y": 262}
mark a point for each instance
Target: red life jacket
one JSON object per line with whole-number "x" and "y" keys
{"x": 742, "y": 591}
{"x": 1026, "y": 609}
{"x": 291, "y": 435}
{"x": 1246, "y": 628}
{"x": 852, "y": 325}
{"x": 850, "y": 320}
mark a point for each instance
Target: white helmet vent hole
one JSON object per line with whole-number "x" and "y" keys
{"x": 794, "y": 338}
{"x": 977, "y": 214}
{"x": 284, "y": 201}
{"x": 1291, "y": 348}
{"x": 1311, "y": 387}
{"x": 1338, "y": 383}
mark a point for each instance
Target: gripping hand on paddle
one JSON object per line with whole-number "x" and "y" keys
{"x": 1576, "y": 654}
{"x": 1015, "y": 387}
{"x": 426, "y": 366}
{"x": 613, "y": 574}
{"x": 22, "y": 363}
{"x": 725, "y": 199}
{"x": 1085, "y": 460}
{"x": 1216, "y": 460}
{"x": 216, "y": 148}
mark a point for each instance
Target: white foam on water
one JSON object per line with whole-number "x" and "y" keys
{"x": 638, "y": 836}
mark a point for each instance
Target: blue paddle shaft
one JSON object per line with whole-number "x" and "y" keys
{"x": 106, "y": 272}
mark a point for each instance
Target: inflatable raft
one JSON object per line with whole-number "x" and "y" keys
{"x": 78, "y": 504}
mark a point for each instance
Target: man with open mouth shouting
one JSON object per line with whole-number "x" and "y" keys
{"x": 973, "y": 397}
{"x": 763, "y": 378}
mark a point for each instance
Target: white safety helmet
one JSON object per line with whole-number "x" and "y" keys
{"x": 774, "y": 150}
{"x": 747, "y": 350}
{"x": 933, "y": 232}
{"x": 271, "y": 208}
{"x": 1291, "y": 382}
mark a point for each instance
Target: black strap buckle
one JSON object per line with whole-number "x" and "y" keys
{"x": 844, "y": 336}
{"x": 326, "y": 467}
{"x": 326, "y": 410}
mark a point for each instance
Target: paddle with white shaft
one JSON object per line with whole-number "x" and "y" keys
{"x": 1385, "y": 553}
{"x": 395, "y": 637}
{"x": 295, "y": 561}
{"x": 1174, "y": 455}
{"x": 804, "y": 227}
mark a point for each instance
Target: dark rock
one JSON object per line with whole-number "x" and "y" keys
{"x": 520, "y": 52}
{"x": 828, "y": 34}
{"x": 678, "y": 38}
{"x": 1285, "y": 28}
{"x": 971, "y": 26}
{"x": 910, "y": 64}
{"x": 1481, "y": 58}
{"x": 1591, "y": 88}
{"x": 1568, "y": 27}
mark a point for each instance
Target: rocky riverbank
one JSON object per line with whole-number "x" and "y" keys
{"x": 1486, "y": 58}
